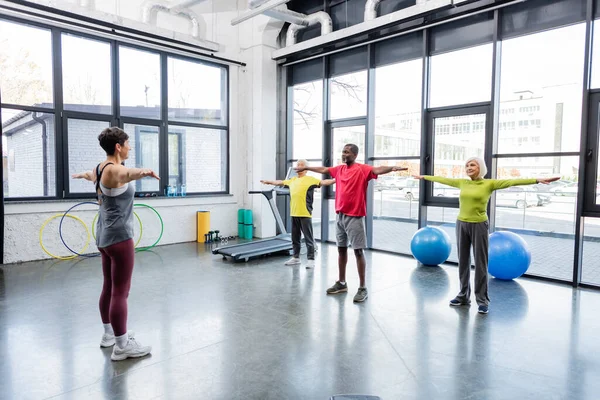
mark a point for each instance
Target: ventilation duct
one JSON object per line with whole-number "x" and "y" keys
{"x": 297, "y": 20}
{"x": 151, "y": 9}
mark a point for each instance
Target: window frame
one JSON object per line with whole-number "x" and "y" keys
{"x": 61, "y": 116}
{"x": 444, "y": 112}
{"x": 69, "y": 115}
{"x": 592, "y": 158}
{"x": 328, "y": 192}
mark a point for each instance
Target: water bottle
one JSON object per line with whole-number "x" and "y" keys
{"x": 183, "y": 190}
{"x": 171, "y": 191}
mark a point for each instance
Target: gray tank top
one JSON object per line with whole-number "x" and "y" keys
{"x": 115, "y": 222}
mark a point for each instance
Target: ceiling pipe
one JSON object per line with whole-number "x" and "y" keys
{"x": 151, "y": 8}
{"x": 251, "y": 13}
{"x": 371, "y": 9}
{"x": 372, "y": 5}
{"x": 320, "y": 17}
{"x": 298, "y": 21}
{"x": 281, "y": 12}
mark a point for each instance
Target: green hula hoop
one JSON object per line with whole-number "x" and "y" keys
{"x": 162, "y": 227}
{"x": 134, "y": 213}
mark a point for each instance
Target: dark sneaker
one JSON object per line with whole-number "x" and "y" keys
{"x": 337, "y": 288}
{"x": 483, "y": 310}
{"x": 456, "y": 302}
{"x": 361, "y": 295}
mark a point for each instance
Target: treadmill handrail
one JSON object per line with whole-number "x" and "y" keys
{"x": 271, "y": 200}
{"x": 267, "y": 193}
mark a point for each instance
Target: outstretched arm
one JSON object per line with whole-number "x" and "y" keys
{"x": 320, "y": 170}
{"x": 87, "y": 175}
{"x": 327, "y": 182}
{"x": 506, "y": 183}
{"x": 125, "y": 175}
{"x": 276, "y": 182}
{"x": 546, "y": 181}
{"x": 445, "y": 181}
{"x": 386, "y": 170}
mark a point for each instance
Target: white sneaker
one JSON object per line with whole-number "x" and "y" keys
{"x": 133, "y": 349}
{"x": 292, "y": 261}
{"x": 108, "y": 339}
{"x": 310, "y": 264}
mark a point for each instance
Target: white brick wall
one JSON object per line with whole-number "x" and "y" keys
{"x": 205, "y": 157}
{"x": 25, "y": 173}
{"x": 84, "y": 151}
{"x": 22, "y": 226}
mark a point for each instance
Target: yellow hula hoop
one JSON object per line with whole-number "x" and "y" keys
{"x": 87, "y": 231}
{"x": 139, "y": 221}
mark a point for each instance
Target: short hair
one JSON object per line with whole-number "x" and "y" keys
{"x": 303, "y": 161}
{"x": 110, "y": 137}
{"x": 482, "y": 167}
{"x": 353, "y": 148}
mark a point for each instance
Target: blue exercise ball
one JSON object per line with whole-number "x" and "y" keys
{"x": 430, "y": 245}
{"x": 509, "y": 255}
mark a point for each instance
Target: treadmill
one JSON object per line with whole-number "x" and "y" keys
{"x": 281, "y": 243}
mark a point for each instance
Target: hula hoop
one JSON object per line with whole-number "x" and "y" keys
{"x": 63, "y": 215}
{"x": 86, "y": 228}
{"x": 162, "y": 227}
{"x": 134, "y": 213}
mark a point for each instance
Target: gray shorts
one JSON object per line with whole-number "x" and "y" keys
{"x": 351, "y": 231}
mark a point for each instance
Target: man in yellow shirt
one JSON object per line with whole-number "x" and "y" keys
{"x": 302, "y": 190}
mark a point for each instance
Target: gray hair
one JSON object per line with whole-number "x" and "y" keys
{"x": 303, "y": 161}
{"x": 482, "y": 167}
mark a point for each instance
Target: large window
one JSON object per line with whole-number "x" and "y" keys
{"x": 398, "y": 109}
{"x": 184, "y": 137}
{"x": 343, "y": 135}
{"x": 395, "y": 206}
{"x": 197, "y": 158}
{"x": 28, "y": 153}
{"x": 139, "y": 81}
{"x": 456, "y": 139}
{"x": 540, "y": 92}
{"x": 540, "y": 117}
{"x": 84, "y": 152}
{"x": 543, "y": 215}
{"x": 307, "y": 106}
{"x": 86, "y": 67}
{"x": 348, "y": 95}
{"x": 395, "y": 200}
{"x": 461, "y": 77}
{"x": 25, "y": 65}
{"x": 144, "y": 153}
{"x": 197, "y": 92}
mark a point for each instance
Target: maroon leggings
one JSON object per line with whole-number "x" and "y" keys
{"x": 117, "y": 267}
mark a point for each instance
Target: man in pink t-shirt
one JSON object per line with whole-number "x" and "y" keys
{"x": 352, "y": 180}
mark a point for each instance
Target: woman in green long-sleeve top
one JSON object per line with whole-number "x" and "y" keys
{"x": 472, "y": 226}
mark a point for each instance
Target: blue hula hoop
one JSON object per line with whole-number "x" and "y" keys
{"x": 60, "y": 230}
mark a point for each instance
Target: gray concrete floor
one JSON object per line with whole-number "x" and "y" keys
{"x": 262, "y": 330}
